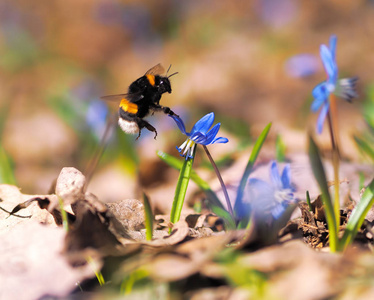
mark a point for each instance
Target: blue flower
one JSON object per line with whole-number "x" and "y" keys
{"x": 96, "y": 117}
{"x": 343, "y": 88}
{"x": 302, "y": 65}
{"x": 200, "y": 134}
{"x": 275, "y": 197}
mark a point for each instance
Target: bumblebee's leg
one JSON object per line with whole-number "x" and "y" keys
{"x": 140, "y": 131}
{"x": 165, "y": 109}
{"x": 143, "y": 123}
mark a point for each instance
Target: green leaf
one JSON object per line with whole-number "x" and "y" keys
{"x": 280, "y": 149}
{"x": 365, "y": 147}
{"x": 308, "y": 201}
{"x": 148, "y": 218}
{"x": 358, "y": 216}
{"x": 244, "y": 222}
{"x": 248, "y": 169}
{"x": 64, "y": 215}
{"x": 6, "y": 168}
{"x": 319, "y": 174}
{"x": 361, "y": 181}
{"x": 98, "y": 274}
{"x": 4, "y": 112}
{"x": 225, "y": 215}
{"x": 63, "y": 106}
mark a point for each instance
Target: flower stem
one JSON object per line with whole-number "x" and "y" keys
{"x": 181, "y": 189}
{"x": 229, "y": 207}
{"x": 332, "y": 114}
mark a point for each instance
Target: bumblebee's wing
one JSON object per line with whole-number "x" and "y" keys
{"x": 156, "y": 70}
{"x": 110, "y": 125}
{"x": 118, "y": 97}
{"x": 133, "y": 97}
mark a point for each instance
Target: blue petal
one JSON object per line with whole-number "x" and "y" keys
{"x": 333, "y": 40}
{"x": 198, "y": 138}
{"x": 261, "y": 195}
{"x": 286, "y": 177}
{"x": 212, "y": 133}
{"x": 253, "y": 189}
{"x": 259, "y": 185}
{"x": 328, "y": 63}
{"x": 220, "y": 140}
{"x": 322, "y": 116}
{"x": 279, "y": 209}
{"x": 274, "y": 175}
{"x": 179, "y": 123}
{"x": 320, "y": 95}
{"x": 203, "y": 124}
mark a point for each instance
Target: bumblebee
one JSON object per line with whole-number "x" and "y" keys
{"x": 142, "y": 98}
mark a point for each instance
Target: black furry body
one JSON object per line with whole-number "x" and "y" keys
{"x": 143, "y": 97}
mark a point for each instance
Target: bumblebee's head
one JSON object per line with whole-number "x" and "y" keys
{"x": 163, "y": 85}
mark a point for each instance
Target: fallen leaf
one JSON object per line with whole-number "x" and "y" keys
{"x": 32, "y": 265}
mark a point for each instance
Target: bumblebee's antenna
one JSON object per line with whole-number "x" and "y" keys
{"x": 168, "y": 70}
{"x": 171, "y": 74}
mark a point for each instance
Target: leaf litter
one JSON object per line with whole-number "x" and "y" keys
{"x": 196, "y": 259}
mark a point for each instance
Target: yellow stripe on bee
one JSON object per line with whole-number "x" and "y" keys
{"x": 129, "y": 107}
{"x": 151, "y": 79}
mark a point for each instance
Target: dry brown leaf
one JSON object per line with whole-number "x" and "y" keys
{"x": 171, "y": 267}
{"x": 219, "y": 293}
{"x": 205, "y": 246}
{"x": 89, "y": 231}
{"x": 12, "y": 197}
{"x": 319, "y": 212}
{"x": 195, "y": 220}
{"x": 187, "y": 258}
{"x": 178, "y": 234}
{"x": 298, "y": 270}
{"x": 32, "y": 264}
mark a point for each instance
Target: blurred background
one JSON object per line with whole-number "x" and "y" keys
{"x": 251, "y": 62}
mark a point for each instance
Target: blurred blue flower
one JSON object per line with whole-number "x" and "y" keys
{"x": 343, "y": 88}
{"x": 200, "y": 134}
{"x": 277, "y": 13}
{"x": 96, "y": 117}
{"x": 272, "y": 198}
{"x": 302, "y": 65}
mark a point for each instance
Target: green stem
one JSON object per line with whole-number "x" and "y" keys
{"x": 181, "y": 189}
{"x": 335, "y": 157}
{"x": 229, "y": 207}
